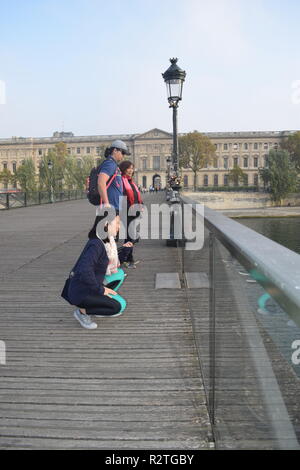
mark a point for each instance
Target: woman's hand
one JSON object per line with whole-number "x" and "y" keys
{"x": 108, "y": 291}
{"x": 128, "y": 244}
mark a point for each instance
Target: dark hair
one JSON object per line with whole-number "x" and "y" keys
{"x": 108, "y": 152}
{"x": 124, "y": 165}
{"x": 93, "y": 232}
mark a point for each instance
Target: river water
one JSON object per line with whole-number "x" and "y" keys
{"x": 283, "y": 230}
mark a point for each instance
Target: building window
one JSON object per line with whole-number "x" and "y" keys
{"x": 215, "y": 163}
{"x": 78, "y": 150}
{"x": 79, "y": 163}
{"x": 216, "y": 180}
{"x": 205, "y": 180}
{"x": 255, "y": 162}
{"x": 69, "y": 151}
{"x": 88, "y": 150}
{"x": 156, "y": 163}
{"x": 255, "y": 180}
{"x": 235, "y": 146}
{"x": 185, "y": 181}
{"x": 275, "y": 146}
{"x": 225, "y": 146}
{"x": 255, "y": 146}
{"x": 245, "y": 180}
{"x": 40, "y": 151}
{"x": 225, "y": 180}
{"x": 14, "y": 165}
{"x": 245, "y": 162}
{"x": 144, "y": 164}
{"x": 144, "y": 181}
{"x": 98, "y": 149}
{"x": 235, "y": 161}
{"x": 245, "y": 146}
{"x": 266, "y": 146}
{"x": 4, "y": 166}
{"x": 225, "y": 163}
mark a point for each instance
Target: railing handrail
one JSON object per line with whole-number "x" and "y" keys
{"x": 272, "y": 265}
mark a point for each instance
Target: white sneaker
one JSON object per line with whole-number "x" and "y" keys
{"x": 85, "y": 320}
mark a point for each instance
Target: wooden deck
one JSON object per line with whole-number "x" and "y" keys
{"x": 134, "y": 383}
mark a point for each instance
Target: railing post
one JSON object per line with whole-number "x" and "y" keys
{"x": 39, "y": 198}
{"x": 212, "y": 327}
{"x": 7, "y": 200}
{"x": 25, "y": 199}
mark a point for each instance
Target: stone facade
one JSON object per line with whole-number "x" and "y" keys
{"x": 150, "y": 151}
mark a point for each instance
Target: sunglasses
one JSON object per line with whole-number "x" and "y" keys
{"x": 122, "y": 151}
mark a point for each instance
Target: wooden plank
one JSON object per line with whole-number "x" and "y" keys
{"x": 134, "y": 382}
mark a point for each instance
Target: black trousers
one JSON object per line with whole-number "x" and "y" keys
{"x": 100, "y": 305}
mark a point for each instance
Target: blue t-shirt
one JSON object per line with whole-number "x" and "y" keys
{"x": 115, "y": 190}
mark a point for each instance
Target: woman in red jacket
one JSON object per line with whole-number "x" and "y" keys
{"x": 133, "y": 194}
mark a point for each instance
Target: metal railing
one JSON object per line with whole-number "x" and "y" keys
{"x": 246, "y": 321}
{"x": 11, "y": 200}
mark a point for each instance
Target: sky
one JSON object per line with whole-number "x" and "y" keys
{"x": 94, "y": 67}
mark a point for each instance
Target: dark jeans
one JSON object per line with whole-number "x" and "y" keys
{"x": 100, "y": 305}
{"x": 129, "y": 239}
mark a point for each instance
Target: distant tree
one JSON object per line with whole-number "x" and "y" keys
{"x": 292, "y": 145}
{"x": 25, "y": 175}
{"x": 76, "y": 174}
{"x": 195, "y": 151}
{"x": 5, "y": 177}
{"x": 280, "y": 176}
{"x": 53, "y": 177}
{"x": 237, "y": 176}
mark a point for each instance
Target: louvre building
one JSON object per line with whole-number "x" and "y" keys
{"x": 149, "y": 153}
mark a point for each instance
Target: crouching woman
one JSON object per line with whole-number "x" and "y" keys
{"x": 85, "y": 287}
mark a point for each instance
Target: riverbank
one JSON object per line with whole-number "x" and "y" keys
{"x": 247, "y": 204}
{"x": 262, "y": 212}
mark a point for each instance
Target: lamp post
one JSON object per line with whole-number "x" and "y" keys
{"x": 50, "y": 168}
{"x": 174, "y": 78}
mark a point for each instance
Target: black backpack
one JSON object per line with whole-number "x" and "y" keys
{"x": 92, "y": 185}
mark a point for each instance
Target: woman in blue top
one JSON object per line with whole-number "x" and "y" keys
{"x": 86, "y": 287}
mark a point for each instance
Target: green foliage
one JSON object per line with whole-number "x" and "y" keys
{"x": 236, "y": 176}
{"x": 75, "y": 176}
{"x": 292, "y": 145}
{"x": 67, "y": 171}
{"x": 6, "y": 177}
{"x": 280, "y": 176}
{"x": 25, "y": 175}
{"x": 195, "y": 151}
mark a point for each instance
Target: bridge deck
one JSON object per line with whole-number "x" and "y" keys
{"x": 132, "y": 383}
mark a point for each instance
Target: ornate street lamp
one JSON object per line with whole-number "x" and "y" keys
{"x": 174, "y": 78}
{"x": 50, "y": 168}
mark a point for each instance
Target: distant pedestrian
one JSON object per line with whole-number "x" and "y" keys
{"x": 132, "y": 192}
